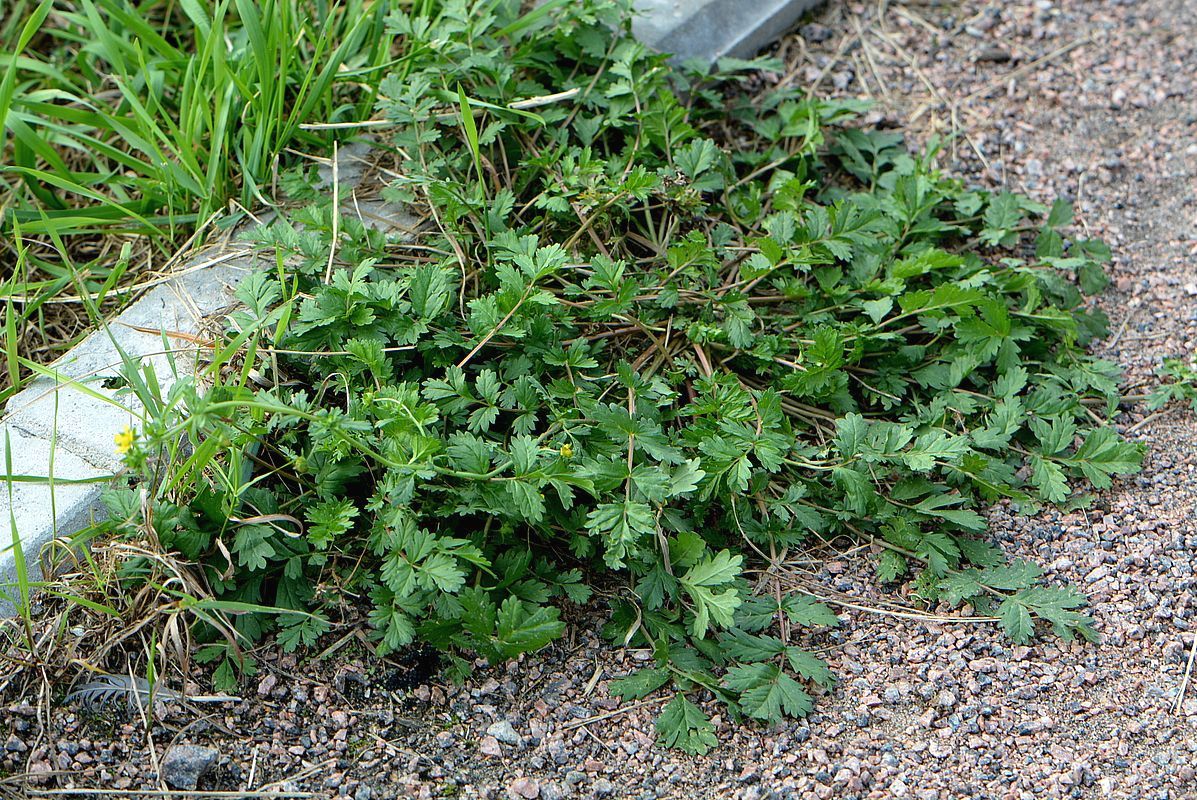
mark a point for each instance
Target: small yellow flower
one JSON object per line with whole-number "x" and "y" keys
{"x": 124, "y": 440}
{"x": 567, "y": 451}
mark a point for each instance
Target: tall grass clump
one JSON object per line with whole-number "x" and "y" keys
{"x": 126, "y": 126}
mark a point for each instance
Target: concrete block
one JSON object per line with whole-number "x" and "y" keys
{"x": 383, "y": 216}
{"x": 73, "y": 414}
{"x": 80, "y": 404}
{"x": 352, "y": 160}
{"x": 712, "y": 29}
{"x": 39, "y": 511}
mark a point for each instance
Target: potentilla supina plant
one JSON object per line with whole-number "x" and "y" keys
{"x": 644, "y": 346}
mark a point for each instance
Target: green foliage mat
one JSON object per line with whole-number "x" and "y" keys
{"x": 647, "y": 342}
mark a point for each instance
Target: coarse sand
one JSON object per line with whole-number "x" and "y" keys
{"x": 1092, "y": 101}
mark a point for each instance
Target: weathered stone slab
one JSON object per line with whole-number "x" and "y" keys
{"x": 63, "y": 424}
{"x": 36, "y": 511}
{"x": 709, "y": 30}
{"x": 79, "y": 403}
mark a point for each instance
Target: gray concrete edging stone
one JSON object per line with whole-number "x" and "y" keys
{"x": 77, "y": 404}
{"x": 60, "y": 429}
{"x": 709, "y": 30}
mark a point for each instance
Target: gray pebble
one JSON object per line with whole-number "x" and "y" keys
{"x": 184, "y": 764}
{"x": 815, "y": 32}
{"x": 505, "y": 732}
{"x": 946, "y": 699}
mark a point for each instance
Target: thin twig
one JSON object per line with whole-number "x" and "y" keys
{"x": 1184, "y": 682}
{"x": 518, "y": 105}
{"x": 888, "y": 613}
{"x": 544, "y": 99}
{"x": 1135, "y": 306}
{"x": 496, "y": 329}
{"x": 1150, "y": 419}
{"x": 208, "y": 344}
{"x": 253, "y": 770}
{"x": 578, "y": 723}
{"x": 1025, "y": 68}
{"x": 133, "y": 287}
{"x": 336, "y": 214}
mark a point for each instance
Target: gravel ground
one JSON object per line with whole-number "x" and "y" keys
{"x": 1094, "y": 101}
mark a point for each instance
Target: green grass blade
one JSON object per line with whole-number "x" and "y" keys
{"x": 8, "y": 82}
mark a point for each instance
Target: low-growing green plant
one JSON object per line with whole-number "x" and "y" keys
{"x": 644, "y": 346}
{"x": 1179, "y": 384}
